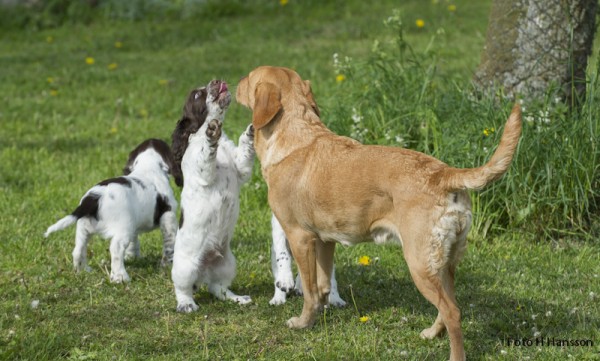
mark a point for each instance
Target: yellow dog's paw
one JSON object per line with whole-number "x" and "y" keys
{"x": 297, "y": 323}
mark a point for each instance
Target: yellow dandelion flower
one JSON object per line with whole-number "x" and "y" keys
{"x": 49, "y": 39}
{"x": 364, "y": 260}
{"x": 112, "y": 66}
{"x": 89, "y": 60}
{"x": 50, "y": 80}
{"x": 420, "y": 23}
{"x": 118, "y": 44}
{"x": 340, "y": 78}
{"x": 113, "y": 130}
{"x": 163, "y": 82}
{"x": 283, "y": 2}
{"x": 452, "y": 8}
{"x": 364, "y": 319}
{"x": 488, "y": 131}
{"x": 53, "y": 92}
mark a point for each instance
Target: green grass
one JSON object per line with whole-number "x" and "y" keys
{"x": 65, "y": 125}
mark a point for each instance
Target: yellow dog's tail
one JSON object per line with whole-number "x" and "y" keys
{"x": 453, "y": 179}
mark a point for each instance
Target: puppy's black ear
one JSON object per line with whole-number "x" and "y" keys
{"x": 179, "y": 142}
{"x": 174, "y": 169}
{"x": 131, "y": 158}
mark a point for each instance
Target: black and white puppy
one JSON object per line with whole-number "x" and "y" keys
{"x": 214, "y": 170}
{"x": 281, "y": 266}
{"x": 121, "y": 208}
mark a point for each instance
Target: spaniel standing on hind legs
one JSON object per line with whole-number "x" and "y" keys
{"x": 214, "y": 169}
{"x": 347, "y": 192}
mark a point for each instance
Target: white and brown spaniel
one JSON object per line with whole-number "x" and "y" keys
{"x": 214, "y": 170}
{"x": 121, "y": 208}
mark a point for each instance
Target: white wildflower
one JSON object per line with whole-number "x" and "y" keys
{"x": 503, "y": 352}
{"x": 35, "y": 304}
{"x": 592, "y": 295}
{"x": 573, "y": 311}
{"x": 400, "y": 141}
{"x": 529, "y": 119}
{"x": 549, "y": 313}
{"x": 356, "y": 117}
{"x": 534, "y": 316}
{"x": 404, "y": 353}
{"x": 544, "y": 116}
{"x": 337, "y": 66}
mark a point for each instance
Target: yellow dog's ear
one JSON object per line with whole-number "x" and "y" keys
{"x": 309, "y": 96}
{"x": 267, "y": 103}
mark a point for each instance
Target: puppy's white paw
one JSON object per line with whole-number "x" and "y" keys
{"x": 81, "y": 266}
{"x": 119, "y": 277}
{"x": 187, "y": 308}
{"x": 336, "y": 301}
{"x": 279, "y": 298}
{"x": 242, "y": 300}
{"x": 285, "y": 282}
{"x": 213, "y": 131}
{"x": 250, "y": 132}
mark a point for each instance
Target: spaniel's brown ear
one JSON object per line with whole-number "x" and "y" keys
{"x": 309, "y": 96}
{"x": 267, "y": 103}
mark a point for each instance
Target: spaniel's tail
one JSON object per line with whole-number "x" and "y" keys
{"x": 88, "y": 207}
{"x": 453, "y": 179}
{"x": 60, "y": 225}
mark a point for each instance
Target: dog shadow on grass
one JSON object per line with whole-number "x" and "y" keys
{"x": 492, "y": 318}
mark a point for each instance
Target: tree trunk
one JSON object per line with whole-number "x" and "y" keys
{"x": 533, "y": 45}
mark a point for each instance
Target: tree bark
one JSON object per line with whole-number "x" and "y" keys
{"x": 534, "y": 45}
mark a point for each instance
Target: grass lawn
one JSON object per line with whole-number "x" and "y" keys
{"x": 74, "y": 100}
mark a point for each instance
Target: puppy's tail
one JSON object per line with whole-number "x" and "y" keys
{"x": 60, "y": 225}
{"x": 88, "y": 207}
{"x": 476, "y": 178}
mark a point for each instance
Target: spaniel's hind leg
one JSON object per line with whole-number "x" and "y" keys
{"x": 168, "y": 228}
{"x": 118, "y": 246}
{"x": 133, "y": 250}
{"x": 220, "y": 275}
{"x": 82, "y": 236}
{"x": 184, "y": 276}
